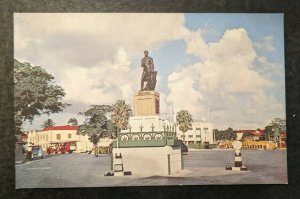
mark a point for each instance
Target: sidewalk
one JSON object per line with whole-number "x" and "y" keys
{"x": 216, "y": 149}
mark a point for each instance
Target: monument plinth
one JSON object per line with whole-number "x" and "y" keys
{"x": 149, "y": 145}
{"x": 146, "y": 103}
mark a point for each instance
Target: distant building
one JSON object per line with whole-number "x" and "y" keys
{"x": 147, "y": 123}
{"x": 59, "y": 134}
{"x": 199, "y": 133}
{"x": 253, "y": 134}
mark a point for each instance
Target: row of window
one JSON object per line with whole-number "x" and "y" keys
{"x": 45, "y": 137}
{"x": 58, "y": 136}
{"x": 191, "y": 136}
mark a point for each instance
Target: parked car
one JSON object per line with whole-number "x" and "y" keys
{"x": 61, "y": 147}
{"x": 184, "y": 148}
{"x": 37, "y": 152}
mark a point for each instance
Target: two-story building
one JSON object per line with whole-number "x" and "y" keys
{"x": 199, "y": 133}
{"x": 59, "y": 134}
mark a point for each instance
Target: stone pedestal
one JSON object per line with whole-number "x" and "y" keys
{"x": 146, "y": 103}
{"x": 149, "y": 161}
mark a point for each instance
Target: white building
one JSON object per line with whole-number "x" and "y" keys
{"x": 59, "y": 134}
{"x": 199, "y": 133}
{"x": 146, "y": 123}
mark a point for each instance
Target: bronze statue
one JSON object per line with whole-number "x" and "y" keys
{"x": 149, "y": 75}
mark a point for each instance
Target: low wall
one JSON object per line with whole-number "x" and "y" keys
{"x": 150, "y": 160}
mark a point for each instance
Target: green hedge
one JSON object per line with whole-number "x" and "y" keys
{"x": 201, "y": 146}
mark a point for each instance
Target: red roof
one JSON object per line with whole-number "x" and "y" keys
{"x": 253, "y": 132}
{"x": 66, "y": 127}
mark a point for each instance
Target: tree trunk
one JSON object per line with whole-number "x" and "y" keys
{"x": 96, "y": 150}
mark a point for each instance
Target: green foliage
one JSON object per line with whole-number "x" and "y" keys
{"x": 274, "y": 129}
{"x": 73, "y": 121}
{"x": 111, "y": 129}
{"x": 247, "y": 135}
{"x": 228, "y": 134}
{"x": 35, "y": 93}
{"x": 47, "y": 123}
{"x": 121, "y": 113}
{"x": 95, "y": 124}
{"x": 201, "y": 146}
{"x": 184, "y": 120}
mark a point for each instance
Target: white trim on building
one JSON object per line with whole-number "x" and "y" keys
{"x": 199, "y": 133}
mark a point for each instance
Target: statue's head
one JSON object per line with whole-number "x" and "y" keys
{"x": 146, "y": 53}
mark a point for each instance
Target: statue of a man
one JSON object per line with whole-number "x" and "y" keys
{"x": 149, "y": 75}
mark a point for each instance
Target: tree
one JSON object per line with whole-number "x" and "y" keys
{"x": 73, "y": 121}
{"x": 47, "y": 123}
{"x": 95, "y": 124}
{"x": 120, "y": 115}
{"x": 247, "y": 135}
{"x": 35, "y": 93}
{"x": 184, "y": 120}
{"x": 217, "y": 134}
{"x": 274, "y": 129}
{"x": 228, "y": 134}
{"x": 111, "y": 129}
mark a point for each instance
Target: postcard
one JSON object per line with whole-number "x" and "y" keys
{"x": 149, "y": 99}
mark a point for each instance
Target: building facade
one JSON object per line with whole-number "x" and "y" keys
{"x": 199, "y": 133}
{"x": 59, "y": 134}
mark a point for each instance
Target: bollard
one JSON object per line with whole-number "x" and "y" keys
{"x": 182, "y": 163}
{"x": 169, "y": 165}
{"x": 238, "y": 163}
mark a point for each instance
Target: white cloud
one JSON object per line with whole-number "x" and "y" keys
{"x": 91, "y": 56}
{"x": 269, "y": 68}
{"x": 224, "y": 83}
{"x": 103, "y": 83}
{"x": 266, "y": 44}
{"x": 84, "y": 38}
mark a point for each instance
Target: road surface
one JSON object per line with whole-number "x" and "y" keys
{"x": 200, "y": 168}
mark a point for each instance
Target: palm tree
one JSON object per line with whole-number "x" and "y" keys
{"x": 73, "y": 121}
{"x": 184, "y": 120}
{"x": 120, "y": 116}
{"x": 47, "y": 123}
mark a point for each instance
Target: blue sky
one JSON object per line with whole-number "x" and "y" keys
{"x": 227, "y": 69}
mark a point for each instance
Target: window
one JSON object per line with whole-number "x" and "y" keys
{"x": 205, "y": 128}
{"x": 46, "y": 137}
{"x": 190, "y": 136}
{"x": 69, "y": 135}
{"x": 58, "y": 136}
{"x": 182, "y": 136}
{"x": 198, "y": 136}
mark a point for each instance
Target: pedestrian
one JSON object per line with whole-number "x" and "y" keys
{"x": 28, "y": 153}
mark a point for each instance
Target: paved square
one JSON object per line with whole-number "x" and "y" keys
{"x": 200, "y": 168}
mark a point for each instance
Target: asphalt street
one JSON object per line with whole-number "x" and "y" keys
{"x": 203, "y": 167}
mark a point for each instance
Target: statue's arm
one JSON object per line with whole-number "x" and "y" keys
{"x": 142, "y": 63}
{"x": 152, "y": 64}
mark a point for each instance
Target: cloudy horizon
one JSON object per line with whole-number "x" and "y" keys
{"x": 227, "y": 69}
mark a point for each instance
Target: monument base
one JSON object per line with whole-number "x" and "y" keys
{"x": 146, "y": 103}
{"x": 148, "y": 161}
